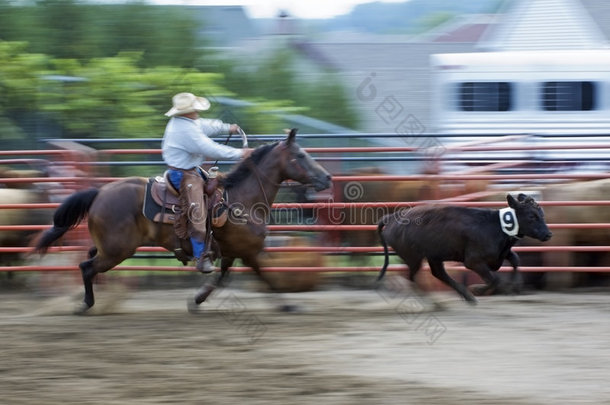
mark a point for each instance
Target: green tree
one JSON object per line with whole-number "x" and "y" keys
{"x": 275, "y": 78}
{"x": 20, "y": 81}
{"x": 117, "y": 98}
{"x": 104, "y": 97}
{"x": 61, "y": 29}
{"x": 165, "y": 35}
{"x": 82, "y": 40}
{"x": 327, "y": 100}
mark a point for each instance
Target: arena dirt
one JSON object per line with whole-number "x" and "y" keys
{"x": 344, "y": 347}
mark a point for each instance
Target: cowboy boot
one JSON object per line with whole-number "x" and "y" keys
{"x": 204, "y": 264}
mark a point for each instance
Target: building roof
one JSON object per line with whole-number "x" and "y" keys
{"x": 224, "y": 25}
{"x": 599, "y": 11}
{"x": 463, "y": 28}
{"x": 544, "y": 25}
{"x": 311, "y": 52}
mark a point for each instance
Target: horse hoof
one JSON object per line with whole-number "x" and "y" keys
{"x": 82, "y": 309}
{"x": 192, "y": 305}
{"x": 290, "y": 308}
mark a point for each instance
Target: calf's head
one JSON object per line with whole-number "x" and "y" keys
{"x": 530, "y": 217}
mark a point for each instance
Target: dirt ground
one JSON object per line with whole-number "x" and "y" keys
{"x": 344, "y": 347}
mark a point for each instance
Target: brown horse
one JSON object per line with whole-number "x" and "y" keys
{"x": 118, "y": 227}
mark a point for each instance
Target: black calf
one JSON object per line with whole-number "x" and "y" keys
{"x": 480, "y": 238}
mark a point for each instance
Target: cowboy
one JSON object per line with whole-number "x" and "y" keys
{"x": 186, "y": 144}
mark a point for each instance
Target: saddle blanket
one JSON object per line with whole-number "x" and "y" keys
{"x": 157, "y": 195}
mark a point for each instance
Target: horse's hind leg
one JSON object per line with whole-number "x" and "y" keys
{"x": 89, "y": 268}
{"x": 86, "y": 269}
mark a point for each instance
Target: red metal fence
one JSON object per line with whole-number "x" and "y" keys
{"x": 333, "y": 201}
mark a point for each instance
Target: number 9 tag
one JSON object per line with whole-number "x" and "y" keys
{"x": 508, "y": 221}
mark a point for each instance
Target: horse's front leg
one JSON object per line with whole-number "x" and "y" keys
{"x": 204, "y": 292}
{"x": 252, "y": 262}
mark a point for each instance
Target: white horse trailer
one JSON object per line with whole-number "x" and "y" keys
{"x": 527, "y": 92}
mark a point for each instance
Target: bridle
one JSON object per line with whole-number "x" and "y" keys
{"x": 284, "y": 158}
{"x": 301, "y": 171}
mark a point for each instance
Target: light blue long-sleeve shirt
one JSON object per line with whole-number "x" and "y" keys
{"x": 186, "y": 142}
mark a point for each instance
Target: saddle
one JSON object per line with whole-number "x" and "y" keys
{"x": 162, "y": 203}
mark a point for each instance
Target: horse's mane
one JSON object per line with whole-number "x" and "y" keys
{"x": 235, "y": 176}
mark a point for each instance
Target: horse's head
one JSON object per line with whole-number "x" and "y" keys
{"x": 298, "y": 165}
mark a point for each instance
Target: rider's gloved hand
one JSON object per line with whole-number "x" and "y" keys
{"x": 234, "y": 129}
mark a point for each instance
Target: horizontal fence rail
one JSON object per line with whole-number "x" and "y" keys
{"x": 389, "y": 204}
{"x": 322, "y": 269}
{"x": 320, "y": 228}
{"x": 424, "y": 177}
{"x": 320, "y": 249}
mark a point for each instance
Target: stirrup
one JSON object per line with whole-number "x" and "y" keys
{"x": 204, "y": 265}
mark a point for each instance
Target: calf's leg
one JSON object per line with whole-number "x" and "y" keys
{"x": 491, "y": 279}
{"x": 438, "y": 271}
{"x": 411, "y": 259}
{"x": 517, "y": 280}
{"x": 414, "y": 264}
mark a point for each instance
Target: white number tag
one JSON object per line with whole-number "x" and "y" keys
{"x": 508, "y": 221}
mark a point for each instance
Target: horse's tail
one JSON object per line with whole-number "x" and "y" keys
{"x": 386, "y": 261}
{"x": 69, "y": 214}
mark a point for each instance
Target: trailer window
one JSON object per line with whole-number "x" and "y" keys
{"x": 568, "y": 96}
{"x": 485, "y": 96}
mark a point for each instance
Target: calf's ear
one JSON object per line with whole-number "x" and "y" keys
{"x": 511, "y": 201}
{"x": 521, "y": 197}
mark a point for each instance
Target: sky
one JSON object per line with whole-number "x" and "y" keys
{"x": 270, "y": 8}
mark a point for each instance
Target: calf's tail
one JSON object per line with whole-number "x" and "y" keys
{"x": 386, "y": 261}
{"x": 69, "y": 214}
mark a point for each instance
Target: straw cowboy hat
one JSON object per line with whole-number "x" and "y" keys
{"x": 184, "y": 103}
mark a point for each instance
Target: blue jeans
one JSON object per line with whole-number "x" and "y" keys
{"x": 175, "y": 176}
